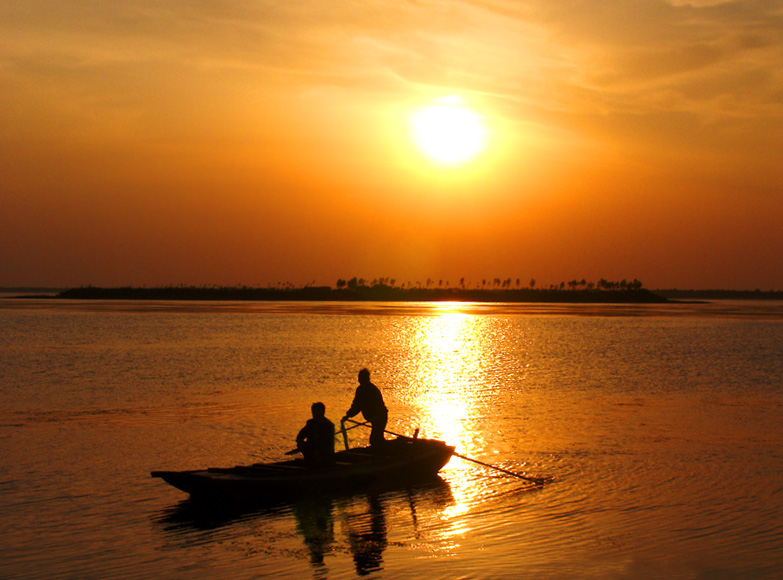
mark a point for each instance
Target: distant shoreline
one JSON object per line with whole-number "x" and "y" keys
{"x": 378, "y": 293}
{"x": 382, "y": 293}
{"x": 675, "y": 294}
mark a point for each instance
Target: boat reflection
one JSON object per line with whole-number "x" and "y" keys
{"x": 326, "y": 525}
{"x": 188, "y": 515}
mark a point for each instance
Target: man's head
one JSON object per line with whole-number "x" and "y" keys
{"x": 364, "y": 377}
{"x": 318, "y": 410}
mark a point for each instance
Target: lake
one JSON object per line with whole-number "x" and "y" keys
{"x": 660, "y": 424}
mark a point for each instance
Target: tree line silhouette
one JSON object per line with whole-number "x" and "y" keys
{"x": 495, "y": 283}
{"x": 388, "y": 289}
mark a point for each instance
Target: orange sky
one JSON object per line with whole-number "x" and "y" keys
{"x": 251, "y": 142}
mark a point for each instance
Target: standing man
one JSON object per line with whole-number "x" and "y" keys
{"x": 369, "y": 400}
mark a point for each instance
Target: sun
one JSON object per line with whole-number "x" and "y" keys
{"x": 448, "y": 132}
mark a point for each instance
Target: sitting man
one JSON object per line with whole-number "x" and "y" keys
{"x": 316, "y": 439}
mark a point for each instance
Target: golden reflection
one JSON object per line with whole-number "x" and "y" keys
{"x": 450, "y": 347}
{"x": 455, "y": 393}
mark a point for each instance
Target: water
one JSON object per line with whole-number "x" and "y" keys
{"x": 661, "y": 425}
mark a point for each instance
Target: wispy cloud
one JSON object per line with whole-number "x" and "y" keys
{"x": 550, "y": 61}
{"x": 512, "y": 48}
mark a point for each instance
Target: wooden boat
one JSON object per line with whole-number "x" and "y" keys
{"x": 402, "y": 461}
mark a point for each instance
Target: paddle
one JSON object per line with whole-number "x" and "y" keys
{"x": 536, "y": 480}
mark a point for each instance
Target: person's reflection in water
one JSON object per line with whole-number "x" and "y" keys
{"x": 369, "y": 541}
{"x": 314, "y": 521}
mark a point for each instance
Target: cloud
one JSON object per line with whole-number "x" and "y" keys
{"x": 143, "y": 64}
{"x": 701, "y": 3}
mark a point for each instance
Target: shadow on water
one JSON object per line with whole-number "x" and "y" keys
{"x": 364, "y": 528}
{"x": 190, "y": 515}
{"x": 315, "y": 523}
{"x": 326, "y": 524}
{"x": 367, "y": 536}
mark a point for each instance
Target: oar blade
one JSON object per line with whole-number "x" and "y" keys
{"x": 536, "y": 480}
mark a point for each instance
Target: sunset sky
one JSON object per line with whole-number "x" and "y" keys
{"x": 252, "y": 142}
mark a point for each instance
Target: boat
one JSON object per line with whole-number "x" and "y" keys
{"x": 401, "y": 461}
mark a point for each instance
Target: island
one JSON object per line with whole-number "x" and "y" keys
{"x": 379, "y": 291}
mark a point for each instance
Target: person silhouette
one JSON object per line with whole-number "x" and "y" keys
{"x": 316, "y": 438}
{"x": 369, "y": 401}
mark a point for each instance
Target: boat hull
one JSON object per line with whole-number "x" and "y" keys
{"x": 403, "y": 461}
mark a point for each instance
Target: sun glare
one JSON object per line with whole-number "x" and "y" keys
{"x": 448, "y": 132}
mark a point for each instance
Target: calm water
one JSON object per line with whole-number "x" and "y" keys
{"x": 662, "y": 426}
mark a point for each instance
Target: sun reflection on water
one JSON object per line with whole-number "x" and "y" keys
{"x": 454, "y": 368}
{"x": 449, "y": 353}
{"x": 450, "y": 375}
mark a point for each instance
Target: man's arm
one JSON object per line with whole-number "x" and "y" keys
{"x": 355, "y": 406}
{"x": 302, "y": 436}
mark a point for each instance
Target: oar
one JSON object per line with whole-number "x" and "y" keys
{"x": 536, "y": 480}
